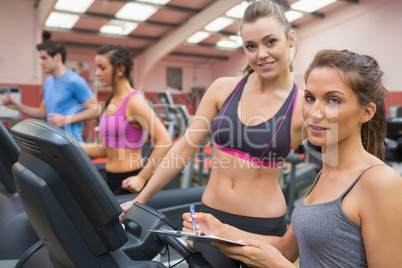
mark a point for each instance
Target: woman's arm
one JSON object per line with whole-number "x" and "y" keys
{"x": 94, "y": 150}
{"x": 256, "y": 253}
{"x": 143, "y": 114}
{"x": 380, "y": 206}
{"x": 208, "y": 224}
{"x": 181, "y": 153}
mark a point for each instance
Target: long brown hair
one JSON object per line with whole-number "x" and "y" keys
{"x": 363, "y": 75}
{"x": 118, "y": 56}
{"x": 262, "y": 9}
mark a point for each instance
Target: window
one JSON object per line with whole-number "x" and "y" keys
{"x": 174, "y": 78}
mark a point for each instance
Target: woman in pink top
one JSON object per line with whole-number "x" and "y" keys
{"x": 126, "y": 120}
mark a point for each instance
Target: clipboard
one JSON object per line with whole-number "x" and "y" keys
{"x": 196, "y": 237}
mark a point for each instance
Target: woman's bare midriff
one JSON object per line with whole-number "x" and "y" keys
{"x": 123, "y": 160}
{"x": 240, "y": 187}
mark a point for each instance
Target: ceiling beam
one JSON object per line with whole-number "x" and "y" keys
{"x": 351, "y": 1}
{"x": 313, "y": 14}
{"x": 209, "y": 45}
{"x": 285, "y": 5}
{"x": 111, "y": 17}
{"x": 92, "y": 32}
{"x": 136, "y": 51}
{"x": 204, "y": 56}
{"x": 167, "y": 6}
{"x": 220, "y": 33}
{"x": 148, "y": 22}
{"x": 131, "y": 36}
{"x": 45, "y": 7}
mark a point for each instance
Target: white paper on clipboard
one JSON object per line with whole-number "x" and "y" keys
{"x": 196, "y": 237}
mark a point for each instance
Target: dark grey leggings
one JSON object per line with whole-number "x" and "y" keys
{"x": 264, "y": 226}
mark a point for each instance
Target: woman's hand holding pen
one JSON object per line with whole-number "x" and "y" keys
{"x": 205, "y": 223}
{"x": 256, "y": 253}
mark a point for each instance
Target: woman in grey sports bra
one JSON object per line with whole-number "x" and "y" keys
{"x": 352, "y": 215}
{"x": 243, "y": 187}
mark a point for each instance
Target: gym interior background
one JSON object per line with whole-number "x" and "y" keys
{"x": 364, "y": 26}
{"x": 169, "y": 69}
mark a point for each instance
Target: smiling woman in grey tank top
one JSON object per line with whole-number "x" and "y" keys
{"x": 352, "y": 215}
{"x": 326, "y": 236}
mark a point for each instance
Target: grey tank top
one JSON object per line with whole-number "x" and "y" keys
{"x": 326, "y": 237}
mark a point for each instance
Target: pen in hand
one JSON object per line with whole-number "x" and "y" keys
{"x": 192, "y": 210}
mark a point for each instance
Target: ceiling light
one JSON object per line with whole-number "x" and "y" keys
{"x": 60, "y": 20}
{"x": 311, "y": 5}
{"x": 225, "y": 43}
{"x": 73, "y": 5}
{"x": 118, "y": 27}
{"x": 293, "y": 15}
{"x": 233, "y": 41}
{"x": 237, "y": 11}
{"x": 134, "y": 11}
{"x": 218, "y": 24}
{"x": 159, "y": 2}
{"x": 198, "y": 37}
{"x": 237, "y": 40}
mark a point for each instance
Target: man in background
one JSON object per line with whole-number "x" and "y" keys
{"x": 67, "y": 99}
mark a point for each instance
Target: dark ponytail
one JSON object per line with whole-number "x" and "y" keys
{"x": 118, "y": 56}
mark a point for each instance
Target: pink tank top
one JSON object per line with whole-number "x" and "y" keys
{"x": 117, "y": 131}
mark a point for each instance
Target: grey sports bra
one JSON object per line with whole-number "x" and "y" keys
{"x": 266, "y": 144}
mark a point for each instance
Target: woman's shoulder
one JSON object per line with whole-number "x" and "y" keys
{"x": 135, "y": 95}
{"x": 136, "y": 100}
{"x": 223, "y": 86}
{"x": 380, "y": 193}
{"x": 216, "y": 95}
{"x": 227, "y": 82}
{"x": 229, "y": 79}
{"x": 381, "y": 178}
